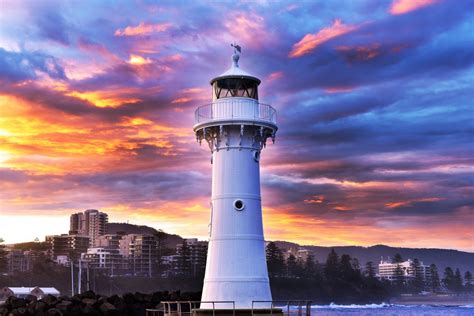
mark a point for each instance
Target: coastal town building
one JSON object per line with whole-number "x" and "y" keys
{"x": 91, "y": 223}
{"x": 301, "y": 254}
{"x": 67, "y": 245}
{"x": 18, "y": 261}
{"x": 109, "y": 241}
{"x": 407, "y": 269}
{"x": 140, "y": 251}
{"x": 193, "y": 253}
{"x": 108, "y": 259}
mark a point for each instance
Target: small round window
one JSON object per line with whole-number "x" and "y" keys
{"x": 239, "y": 205}
{"x": 256, "y": 156}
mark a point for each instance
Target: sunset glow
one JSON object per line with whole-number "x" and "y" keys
{"x": 374, "y": 103}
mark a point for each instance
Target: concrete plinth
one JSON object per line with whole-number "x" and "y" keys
{"x": 238, "y": 312}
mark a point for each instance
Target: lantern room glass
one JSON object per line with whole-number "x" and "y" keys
{"x": 234, "y": 87}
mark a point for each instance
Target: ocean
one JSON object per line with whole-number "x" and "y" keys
{"x": 390, "y": 310}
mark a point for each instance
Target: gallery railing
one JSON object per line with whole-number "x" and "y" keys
{"x": 277, "y": 307}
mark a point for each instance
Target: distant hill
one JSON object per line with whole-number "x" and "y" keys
{"x": 441, "y": 257}
{"x": 170, "y": 242}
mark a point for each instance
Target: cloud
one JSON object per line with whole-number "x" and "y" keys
{"x": 52, "y": 25}
{"x": 374, "y": 137}
{"x": 405, "y": 6}
{"x": 143, "y": 29}
{"x": 19, "y": 66}
{"x": 311, "y": 41}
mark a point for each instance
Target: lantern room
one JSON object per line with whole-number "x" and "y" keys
{"x": 235, "y": 82}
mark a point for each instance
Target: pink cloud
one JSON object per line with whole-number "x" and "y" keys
{"x": 310, "y": 41}
{"x": 142, "y": 29}
{"x": 404, "y": 6}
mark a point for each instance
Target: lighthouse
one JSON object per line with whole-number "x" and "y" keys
{"x": 236, "y": 126}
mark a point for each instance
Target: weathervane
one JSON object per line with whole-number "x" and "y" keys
{"x": 236, "y": 55}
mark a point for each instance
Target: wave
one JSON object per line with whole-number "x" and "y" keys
{"x": 353, "y": 306}
{"x": 384, "y": 305}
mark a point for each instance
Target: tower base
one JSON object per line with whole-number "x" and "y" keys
{"x": 238, "y": 312}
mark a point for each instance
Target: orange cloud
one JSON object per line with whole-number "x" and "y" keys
{"x": 40, "y": 140}
{"x": 404, "y": 6}
{"x": 143, "y": 29}
{"x": 310, "y": 41}
{"x": 316, "y": 199}
{"x": 138, "y": 60}
{"x": 338, "y": 89}
{"x": 113, "y": 97}
{"x": 410, "y": 202}
{"x": 191, "y": 94}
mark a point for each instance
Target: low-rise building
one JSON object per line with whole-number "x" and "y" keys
{"x": 406, "y": 269}
{"x": 191, "y": 258}
{"x": 108, "y": 241}
{"x": 22, "y": 292}
{"x": 108, "y": 259}
{"x": 141, "y": 253}
{"x": 18, "y": 261}
{"x": 68, "y": 245}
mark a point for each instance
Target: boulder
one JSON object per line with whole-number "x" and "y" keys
{"x": 54, "y": 312}
{"x": 64, "y": 306}
{"x": 89, "y": 301}
{"x": 31, "y": 298}
{"x": 50, "y": 299}
{"x": 88, "y": 294}
{"x": 108, "y": 309}
{"x": 21, "y": 311}
{"x": 15, "y": 302}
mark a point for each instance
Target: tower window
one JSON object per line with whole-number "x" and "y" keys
{"x": 239, "y": 205}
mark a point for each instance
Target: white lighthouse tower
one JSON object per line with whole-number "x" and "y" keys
{"x": 236, "y": 127}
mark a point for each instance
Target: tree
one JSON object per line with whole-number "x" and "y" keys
{"x": 397, "y": 258}
{"x": 417, "y": 282}
{"x": 275, "y": 263}
{"x": 291, "y": 266}
{"x": 448, "y": 280}
{"x": 458, "y": 282}
{"x": 468, "y": 281}
{"x": 399, "y": 276}
{"x": 345, "y": 267}
{"x": 331, "y": 269}
{"x": 370, "y": 270}
{"x": 434, "y": 278}
{"x": 309, "y": 268}
{"x": 3, "y": 258}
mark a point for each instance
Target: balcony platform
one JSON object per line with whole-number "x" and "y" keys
{"x": 235, "y": 111}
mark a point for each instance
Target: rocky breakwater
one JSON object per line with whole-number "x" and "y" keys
{"x": 90, "y": 304}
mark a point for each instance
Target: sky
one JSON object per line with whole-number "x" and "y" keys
{"x": 375, "y": 113}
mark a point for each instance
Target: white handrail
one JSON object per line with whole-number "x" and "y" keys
{"x": 235, "y": 109}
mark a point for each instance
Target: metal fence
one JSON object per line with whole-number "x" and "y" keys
{"x": 277, "y": 307}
